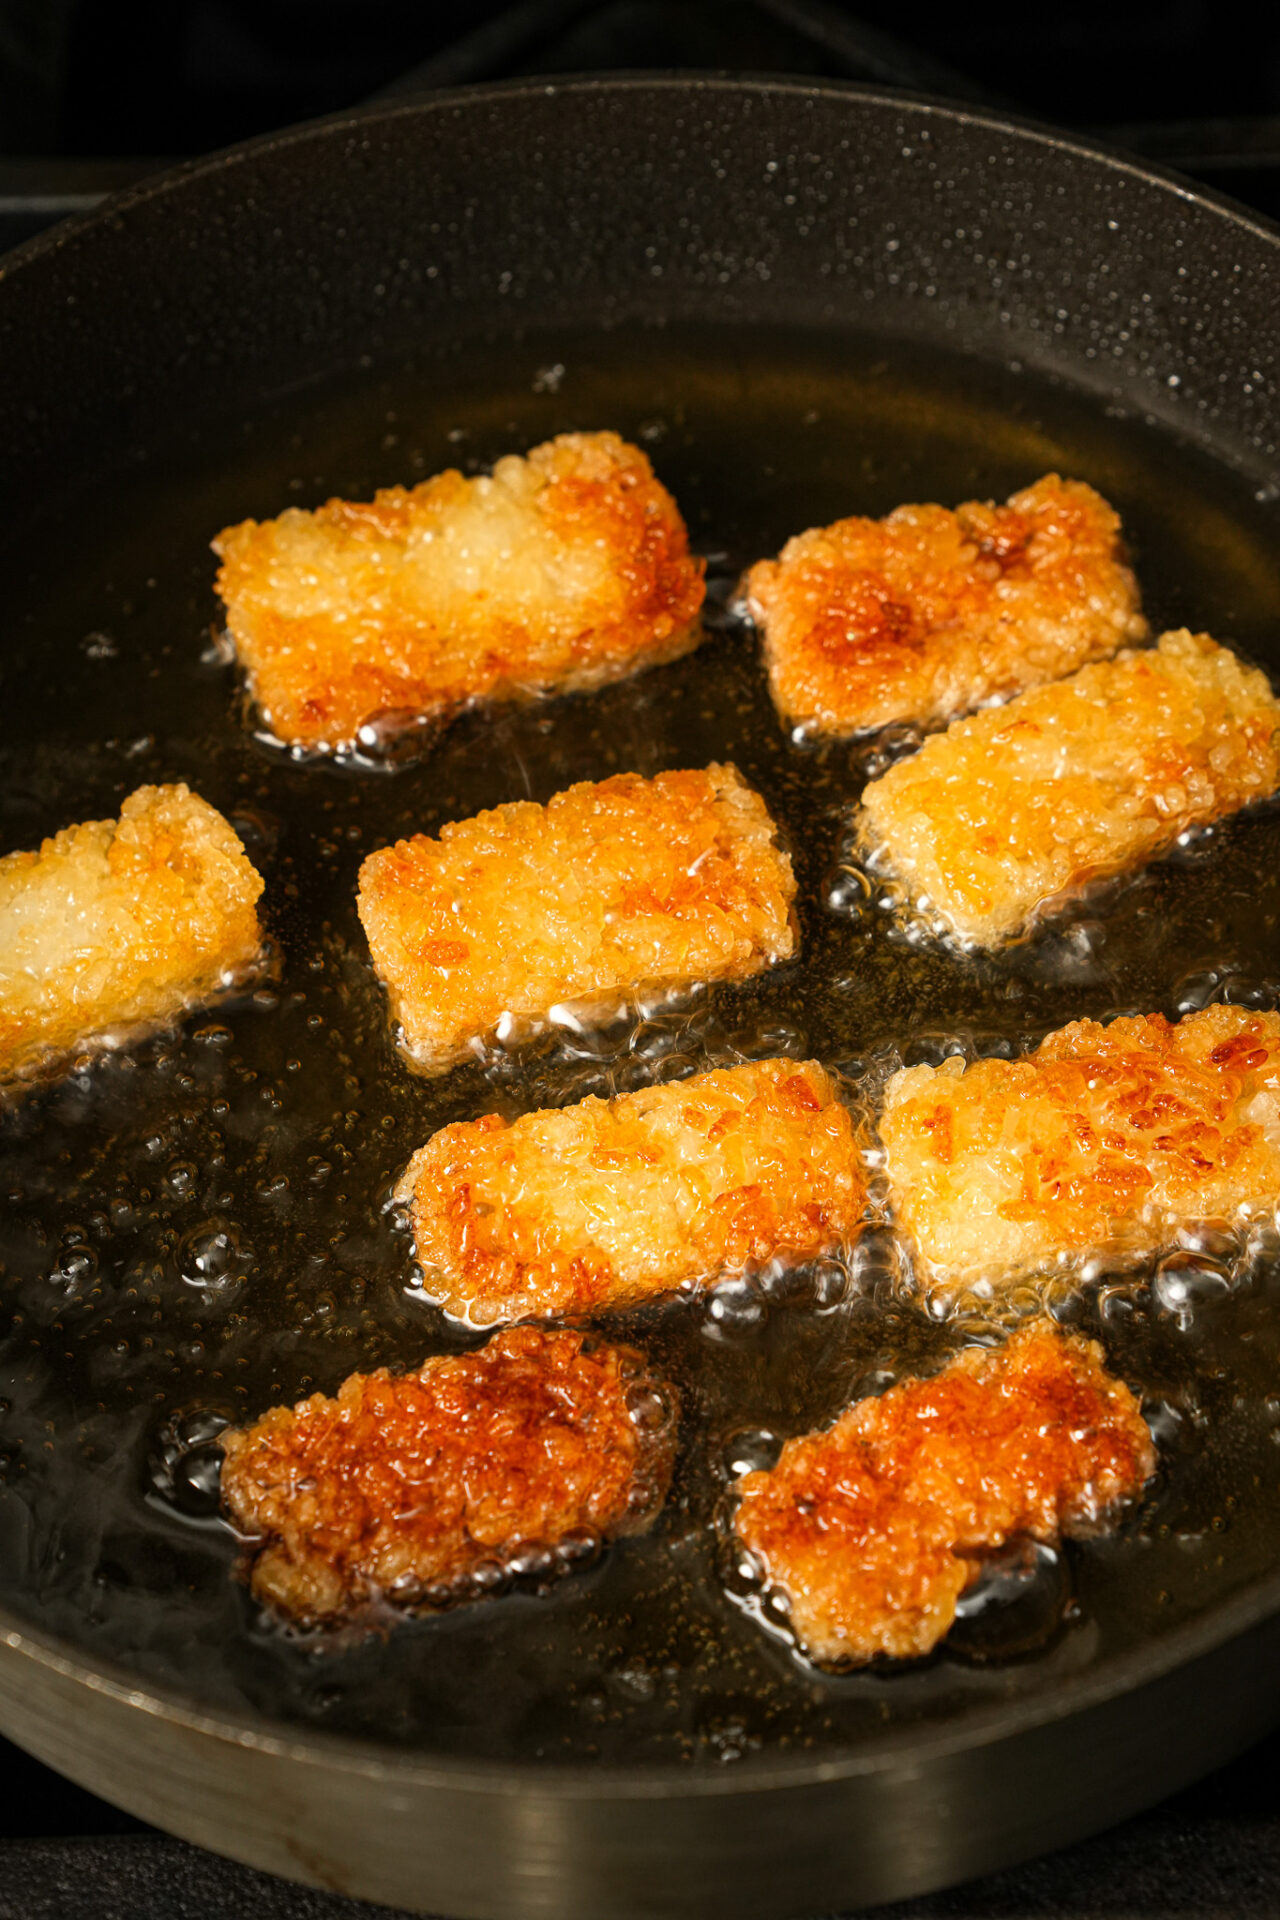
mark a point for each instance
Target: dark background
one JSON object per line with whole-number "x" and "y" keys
{"x": 86, "y": 77}
{"x": 94, "y": 93}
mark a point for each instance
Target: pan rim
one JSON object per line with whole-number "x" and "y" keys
{"x": 987, "y": 1725}
{"x": 446, "y": 99}
{"x": 571, "y": 1781}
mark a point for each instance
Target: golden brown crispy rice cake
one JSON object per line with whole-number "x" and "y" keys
{"x": 928, "y": 613}
{"x": 597, "y": 1206}
{"x": 1105, "y": 1140}
{"x": 567, "y": 568}
{"x": 874, "y": 1528}
{"x": 613, "y": 885}
{"x": 117, "y": 924}
{"x": 1011, "y": 812}
{"x": 422, "y": 1488}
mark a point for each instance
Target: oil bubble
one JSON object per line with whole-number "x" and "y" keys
{"x": 830, "y": 1285}
{"x": 1165, "y": 1423}
{"x": 1117, "y": 1306}
{"x": 876, "y": 1264}
{"x": 734, "y": 1311}
{"x": 490, "y": 1577}
{"x": 1262, "y": 1246}
{"x": 1014, "y": 1606}
{"x": 578, "y": 1548}
{"x": 743, "y": 1576}
{"x": 729, "y": 1738}
{"x": 1195, "y": 991}
{"x": 531, "y": 1560}
{"x": 784, "y": 1282}
{"x": 185, "y": 1468}
{"x": 869, "y": 759}
{"x": 848, "y": 892}
{"x": 771, "y": 1039}
{"x": 1208, "y": 1240}
{"x": 219, "y": 650}
{"x": 932, "y": 1049}
{"x": 752, "y": 1450}
{"x": 1073, "y": 957}
{"x": 392, "y": 738}
{"x": 633, "y": 1681}
{"x": 1183, "y": 1284}
{"x": 213, "y": 1034}
{"x": 650, "y": 1409}
{"x": 1243, "y": 990}
{"x": 214, "y": 1255}
{"x": 891, "y": 896}
{"x": 75, "y": 1271}
{"x": 258, "y": 829}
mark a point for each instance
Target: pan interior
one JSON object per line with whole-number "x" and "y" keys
{"x": 192, "y": 1230}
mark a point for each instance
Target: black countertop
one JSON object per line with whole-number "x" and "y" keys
{"x": 1211, "y": 1853}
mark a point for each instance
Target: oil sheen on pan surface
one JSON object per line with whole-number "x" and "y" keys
{"x": 194, "y": 1229}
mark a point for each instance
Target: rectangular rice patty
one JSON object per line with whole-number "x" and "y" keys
{"x": 120, "y": 923}
{"x": 565, "y": 569}
{"x": 927, "y": 613}
{"x": 612, "y": 885}
{"x": 1104, "y": 1140}
{"x": 873, "y": 1529}
{"x": 599, "y": 1205}
{"x": 1009, "y": 812}
{"x": 426, "y": 1487}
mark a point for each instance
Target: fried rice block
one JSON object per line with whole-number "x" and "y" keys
{"x": 585, "y": 1208}
{"x": 423, "y": 1488}
{"x": 567, "y": 568}
{"x": 1009, "y": 812}
{"x": 1104, "y": 1140}
{"x": 874, "y": 1528}
{"x": 612, "y": 885}
{"x": 120, "y": 923}
{"x": 929, "y": 613}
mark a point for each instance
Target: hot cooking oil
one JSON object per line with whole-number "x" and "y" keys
{"x": 197, "y": 1226}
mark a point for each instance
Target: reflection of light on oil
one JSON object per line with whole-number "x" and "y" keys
{"x": 171, "y": 1329}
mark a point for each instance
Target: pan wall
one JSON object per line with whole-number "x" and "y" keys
{"x": 632, "y": 200}
{"x": 508, "y": 1849}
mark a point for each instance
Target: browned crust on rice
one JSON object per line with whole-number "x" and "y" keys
{"x": 420, "y": 1488}
{"x": 1105, "y": 1140}
{"x": 119, "y": 924}
{"x": 567, "y": 568}
{"x": 1013, "y": 811}
{"x": 612, "y": 885}
{"x": 874, "y": 1528}
{"x": 929, "y": 613}
{"x": 597, "y": 1206}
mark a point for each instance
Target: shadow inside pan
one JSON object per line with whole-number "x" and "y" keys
{"x": 193, "y": 1230}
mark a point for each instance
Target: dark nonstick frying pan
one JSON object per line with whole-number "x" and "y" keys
{"x": 804, "y": 301}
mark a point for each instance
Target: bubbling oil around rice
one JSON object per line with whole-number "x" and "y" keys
{"x": 196, "y": 1228}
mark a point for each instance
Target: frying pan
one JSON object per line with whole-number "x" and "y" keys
{"x": 954, "y": 282}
